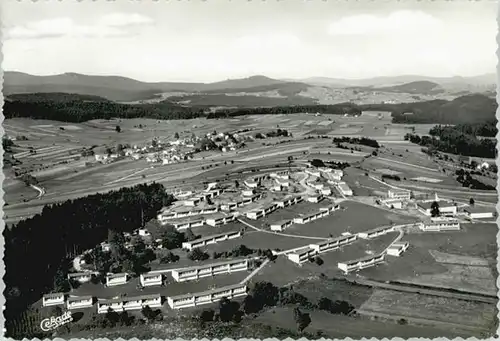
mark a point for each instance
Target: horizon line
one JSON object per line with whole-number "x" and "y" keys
{"x": 285, "y": 79}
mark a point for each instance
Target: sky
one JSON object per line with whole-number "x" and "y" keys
{"x": 213, "y": 40}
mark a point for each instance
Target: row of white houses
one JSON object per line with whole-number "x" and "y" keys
{"x": 361, "y": 263}
{"x": 285, "y": 175}
{"x": 207, "y": 297}
{"x": 71, "y": 302}
{"x": 208, "y": 270}
{"x": 129, "y": 303}
{"x": 262, "y": 212}
{"x": 303, "y": 255}
{"x": 398, "y": 194}
{"x": 229, "y": 206}
{"x": 440, "y": 224}
{"x": 376, "y": 232}
{"x": 215, "y": 220}
{"x": 209, "y": 194}
{"x": 165, "y": 216}
{"x": 283, "y": 224}
{"x": 193, "y": 244}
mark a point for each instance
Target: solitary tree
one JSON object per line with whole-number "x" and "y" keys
{"x": 176, "y": 136}
{"x": 435, "y": 209}
{"x": 471, "y": 201}
{"x": 118, "y": 129}
{"x": 302, "y": 319}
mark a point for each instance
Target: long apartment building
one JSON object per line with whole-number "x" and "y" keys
{"x": 440, "y": 224}
{"x": 129, "y": 303}
{"x": 213, "y": 269}
{"x": 206, "y": 297}
{"x": 376, "y": 232}
{"x": 220, "y": 219}
{"x": 116, "y": 279}
{"x": 231, "y": 205}
{"x": 307, "y": 218}
{"x": 165, "y": 216}
{"x": 361, "y": 263}
{"x": 398, "y": 194}
{"x": 333, "y": 243}
{"x": 281, "y": 225}
{"x": 301, "y": 256}
{"x": 282, "y": 203}
{"x": 262, "y": 212}
{"x": 79, "y": 302}
{"x": 151, "y": 279}
{"x": 53, "y": 299}
{"x": 397, "y": 248}
{"x": 184, "y": 224}
{"x": 315, "y": 198}
{"x": 213, "y": 239}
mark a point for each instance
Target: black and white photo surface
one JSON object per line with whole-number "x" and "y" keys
{"x": 249, "y": 169}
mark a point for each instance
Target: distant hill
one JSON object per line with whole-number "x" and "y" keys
{"x": 117, "y": 88}
{"x": 418, "y": 87}
{"x": 474, "y": 108}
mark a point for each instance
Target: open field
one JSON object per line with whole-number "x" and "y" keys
{"x": 446, "y": 311}
{"x": 339, "y": 326}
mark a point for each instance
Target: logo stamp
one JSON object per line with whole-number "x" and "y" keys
{"x": 53, "y": 323}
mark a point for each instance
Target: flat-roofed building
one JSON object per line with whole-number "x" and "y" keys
{"x": 315, "y": 198}
{"x": 398, "y": 194}
{"x": 206, "y": 270}
{"x": 81, "y": 277}
{"x": 475, "y": 212}
{"x": 220, "y": 220}
{"x": 333, "y": 243}
{"x": 301, "y": 256}
{"x": 397, "y": 248}
{"x": 361, "y": 263}
{"x": 184, "y": 224}
{"x": 285, "y": 175}
{"x": 216, "y": 238}
{"x": 206, "y": 297}
{"x": 307, "y": 218}
{"x": 116, "y": 279}
{"x": 192, "y": 201}
{"x": 56, "y": 298}
{"x": 440, "y": 224}
{"x": 445, "y": 208}
{"x": 79, "y": 302}
{"x": 151, "y": 279}
{"x": 376, "y": 232}
{"x": 281, "y": 225}
{"x": 282, "y": 182}
{"x": 393, "y": 203}
{"x": 344, "y": 189}
{"x": 248, "y": 192}
{"x": 129, "y": 303}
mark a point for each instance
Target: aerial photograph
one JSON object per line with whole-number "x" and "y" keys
{"x": 232, "y": 169}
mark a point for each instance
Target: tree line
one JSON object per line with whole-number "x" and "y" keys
{"x": 454, "y": 140}
{"x": 38, "y": 250}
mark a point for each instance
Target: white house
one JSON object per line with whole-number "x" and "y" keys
{"x": 301, "y": 256}
{"x": 143, "y": 232}
{"x": 151, "y": 279}
{"x": 475, "y": 212}
{"x": 220, "y": 219}
{"x": 397, "y": 248}
{"x": 281, "y": 225}
{"x": 79, "y": 302}
{"x": 193, "y": 244}
{"x": 208, "y": 270}
{"x": 361, "y": 263}
{"x": 440, "y": 224}
{"x": 326, "y": 191}
{"x": 116, "y": 279}
{"x": 398, "y": 194}
{"x": 248, "y": 192}
{"x": 53, "y": 299}
{"x": 129, "y": 303}
{"x": 206, "y": 297}
{"x": 192, "y": 201}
